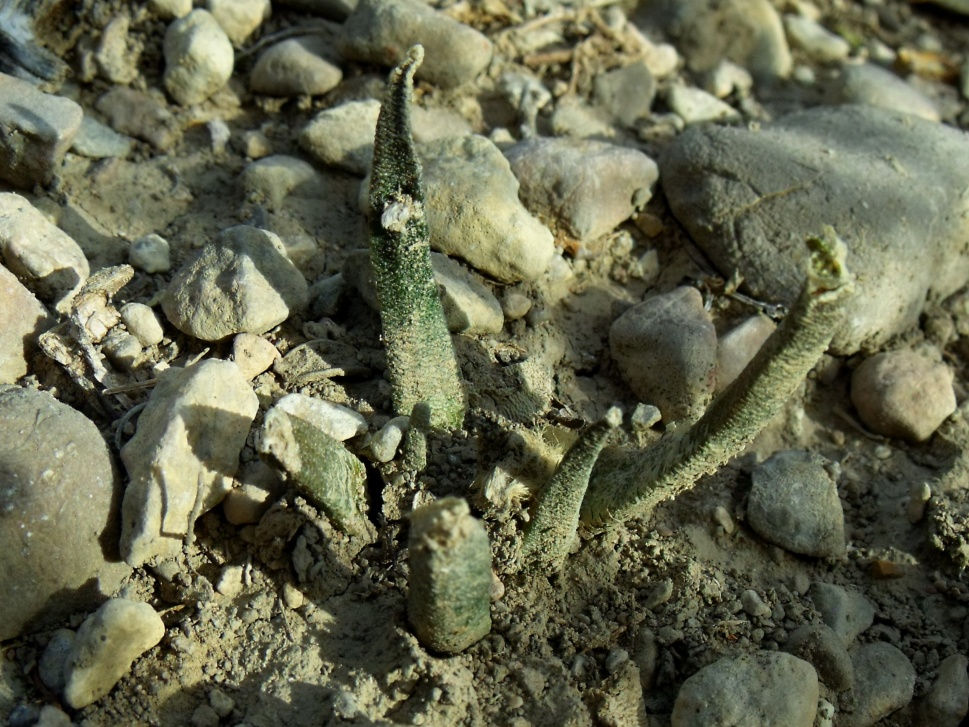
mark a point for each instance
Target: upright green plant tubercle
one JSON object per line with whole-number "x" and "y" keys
{"x": 420, "y": 355}
{"x": 629, "y": 483}
{"x": 555, "y": 515}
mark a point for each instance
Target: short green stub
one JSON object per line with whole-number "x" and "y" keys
{"x": 449, "y": 601}
{"x": 555, "y": 515}
{"x": 321, "y": 468}
{"x": 420, "y": 354}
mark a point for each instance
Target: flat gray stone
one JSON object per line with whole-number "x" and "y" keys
{"x": 582, "y": 187}
{"x": 240, "y": 282}
{"x": 891, "y": 185}
{"x": 38, "y": 129}
{"x": 382, "y": 31}
{"x": 762, "y": 688}
{"x": 866, "y": 83}
{"x": 107, "y": 644}
{"x": 273, "y": 178}
{"x": 59, "y": 503}
{"x": 794, "y": 503}
{"x": 97, "y": 141}
{"x": 184, "y": 453}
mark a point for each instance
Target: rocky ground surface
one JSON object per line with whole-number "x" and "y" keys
{"x": 618, "y": 198}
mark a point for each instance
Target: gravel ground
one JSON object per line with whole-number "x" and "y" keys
{"x": 618, "y": 198}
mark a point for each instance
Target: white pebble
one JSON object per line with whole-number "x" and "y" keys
{"x": 198, "y": 58}
{"x": 337, "y": 421}
{"x": 253, "y": 354}
{"x": 142, "y": 323}
{"x": 695, "y": 106}
{"x": 151, "y": 254}
{"x": 815, "y": 40}
{"x": 107, "y": 644}
{"x": 384, "y": 444}
{"x": 239, "y": 18}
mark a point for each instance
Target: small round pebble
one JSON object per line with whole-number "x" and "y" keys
{"x": 107, "y": 644}
{"x": 295, "y": 67}
{"x": 239, "y": 18}
{"x": 826, "y": 651}
{"x": 515, "y": 305}
{"x": 253, "y": 354}
{"x": 754, "y": 605}
{"x": 150, "y": 253}
{"x": 384, "y": 443}
{"x": 666, "y": 350}
{"x": 762, "y": 688}
{"x": 198, "y": 58}
{"x": 221, "y": 702}
{"x": 794, "y": 503}
{"x": 848, "y": 613}
{"x": 205, "y": 716}
{"x": 903, "y": 394}
{"x": 142, "y": 323}
{"x": 292, "y": 596}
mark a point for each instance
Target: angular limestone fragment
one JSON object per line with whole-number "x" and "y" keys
{"x": 183, "y": 456}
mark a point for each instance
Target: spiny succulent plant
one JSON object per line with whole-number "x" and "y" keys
{"x": 420, "y": 354}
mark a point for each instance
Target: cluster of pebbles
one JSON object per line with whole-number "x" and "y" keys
{"x": 546, "y": 133}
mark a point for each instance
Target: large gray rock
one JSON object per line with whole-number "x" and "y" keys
{"x": 382, "y": 31}
{"x": 242, "y": 282}
{"x": 59, "y": 502}
{"x": 183, "y": 456}
{"x": 891, "y": 185}
{"x": 763, "y": 688}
